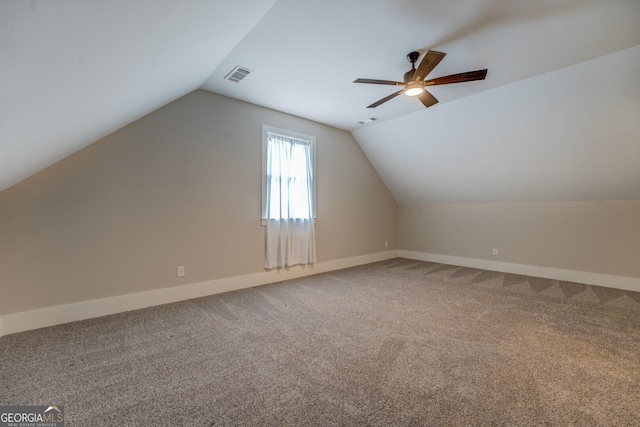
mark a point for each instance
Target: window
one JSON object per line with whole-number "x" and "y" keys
{"x": 288, "y": 197}
{"x": 288, "y": 183}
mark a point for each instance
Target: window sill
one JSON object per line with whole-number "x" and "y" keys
{"x": 263, "y": 221}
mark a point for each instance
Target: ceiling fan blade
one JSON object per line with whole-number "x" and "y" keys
{"x": 427, "y": 99}
{"x": 429, "y": 62}
{"x": 379, "y": 82}
{"x": 385, "y": 99}
{"x": 469, "y": 76}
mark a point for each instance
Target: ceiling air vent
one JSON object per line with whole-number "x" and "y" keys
{"x": 237, "y": 74}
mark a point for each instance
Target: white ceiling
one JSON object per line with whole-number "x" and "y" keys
{"x": 306, "y": 54}
{"x": 74, "y": 71}
{"x": 572, "y": 134}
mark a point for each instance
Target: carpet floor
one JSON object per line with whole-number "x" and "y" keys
{"x": 398, "y": 342}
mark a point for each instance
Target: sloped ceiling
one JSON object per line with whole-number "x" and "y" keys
{"x": 72, "y": 72}
{"x": 571, "y": 134}
{"x": 306, "y": 54}
{"x": 560, "y": 73}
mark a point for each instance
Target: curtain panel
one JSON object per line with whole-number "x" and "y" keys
{"x": 290, "y": 233}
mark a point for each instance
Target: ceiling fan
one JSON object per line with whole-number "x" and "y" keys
{"x": 414, "y": 83}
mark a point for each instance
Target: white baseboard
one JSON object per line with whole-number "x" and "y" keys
{"x": 610, "y": 281}
{"x": 50, "y": 316}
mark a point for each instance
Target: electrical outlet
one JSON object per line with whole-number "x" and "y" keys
{"x": 495, "y": 251}
{"x": 180, "y": 271}
{"x": 386, "y": 243}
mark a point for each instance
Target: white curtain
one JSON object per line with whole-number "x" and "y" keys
{"x": 290, "y": 234}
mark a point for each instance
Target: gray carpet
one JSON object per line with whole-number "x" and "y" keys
{"x": 398, "y": 342}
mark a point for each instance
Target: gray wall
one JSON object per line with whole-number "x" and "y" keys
{"x": 591, "y": 236}
{"x": 181, "y": 186}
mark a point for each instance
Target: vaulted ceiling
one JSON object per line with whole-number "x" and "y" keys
{"x": 556, "y": 119}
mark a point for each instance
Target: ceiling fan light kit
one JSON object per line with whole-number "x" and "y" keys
{"x": 414, "y": 79}
{"x": 414, "y": 89}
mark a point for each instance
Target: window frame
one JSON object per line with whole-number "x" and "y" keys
{"x": 311, "y": 140}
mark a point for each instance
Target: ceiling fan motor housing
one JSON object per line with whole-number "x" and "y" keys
{"x": 412, "y": 57}
{"x": 408, "y": 76}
